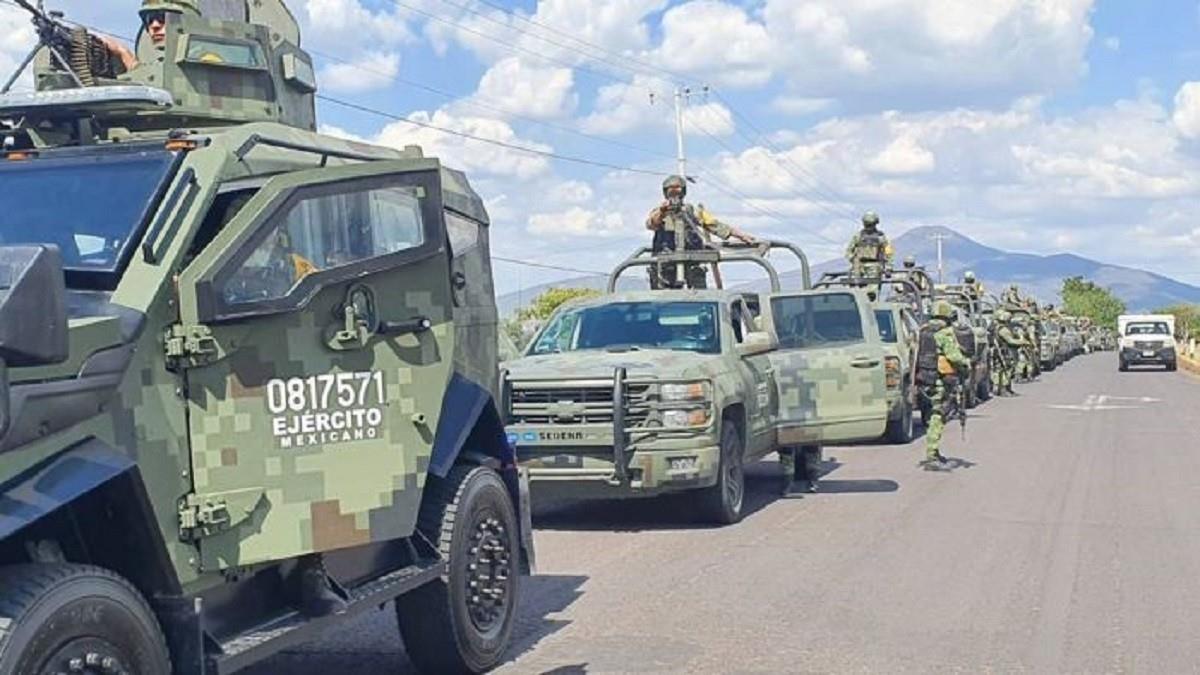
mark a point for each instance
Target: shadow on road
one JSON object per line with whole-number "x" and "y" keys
{"x": 542, "y": 597}
{"x": 850, "y": 487}
{"x": 666, "y": 512}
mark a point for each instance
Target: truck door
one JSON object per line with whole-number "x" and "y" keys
{"x": 829, "y": 368}
{"x": 316, "y": 339}
{"x": 758, "y": 377}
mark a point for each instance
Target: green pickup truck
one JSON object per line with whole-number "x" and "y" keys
{"x": 648, "y": 392}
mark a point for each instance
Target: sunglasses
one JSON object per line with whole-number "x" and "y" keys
{"x": 152, "y": 17}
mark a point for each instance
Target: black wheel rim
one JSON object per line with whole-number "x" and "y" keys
{"x": 87, "y": 656}
{"x": 489, "y": 573}
{"x": 733, "y": 481}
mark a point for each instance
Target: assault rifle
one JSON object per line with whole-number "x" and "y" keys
{"x": 79, "y": 54}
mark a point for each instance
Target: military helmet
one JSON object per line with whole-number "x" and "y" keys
{"x": 969, "y": 277}
{"x": 942, "y": 309}
{"x": 910, "y": 262}
{"x": 870, "y": 219}
{"x": 674, "y": 182}
{"x": 178, "y": 6}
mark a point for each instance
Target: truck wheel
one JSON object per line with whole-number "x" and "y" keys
{"x": 1172, "y": 367}
{"x": 900, "y": 430}
{"x": 722, "y": 503}
{"x": 462, "y": 623}
{"x": 68, "y": 618}
{"x": 1123, "y": 366}
{"x": 985, "y": 389}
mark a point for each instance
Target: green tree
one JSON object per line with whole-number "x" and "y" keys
{"x": 521, "y": 327}
{"x": 1084, "y": 298}
{"x": 1187, "y": 319}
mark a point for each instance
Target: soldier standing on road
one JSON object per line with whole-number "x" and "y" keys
{"x": 869, "y": 252}
{"x": 675, "y": 217}
{"x": 154, "y": 22}
{"x": 1009, "y": 343}
{"x": 951, "y": 369}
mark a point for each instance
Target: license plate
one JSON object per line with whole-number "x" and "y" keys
{"x": 1148, "y": 355}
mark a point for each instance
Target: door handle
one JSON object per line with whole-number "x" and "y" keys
{"x": 864, "y": 362}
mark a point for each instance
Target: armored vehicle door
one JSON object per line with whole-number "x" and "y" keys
{"x": 317, "y": 339}
{"x": 830, "y": 367}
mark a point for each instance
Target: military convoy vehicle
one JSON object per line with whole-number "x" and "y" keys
{"x": 641, "y": 393}
{"x": 898, "y": 307}
{"x": 1053, "y": 352}
{"x": 231, "y": 346}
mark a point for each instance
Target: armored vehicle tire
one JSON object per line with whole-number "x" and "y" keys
{"x": 722, "y": 503}
{"x": 463, "y": 622}
{"x": 77, "y": 619}
{"x": 900, "y": 430}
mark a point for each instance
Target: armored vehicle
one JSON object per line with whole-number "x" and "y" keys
{"x": 641, "y": 393}
{"x": 1052, "y": 351}
{"x": 239, "y": 356}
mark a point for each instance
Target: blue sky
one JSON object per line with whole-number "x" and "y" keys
{"x": 1037, "y": 125}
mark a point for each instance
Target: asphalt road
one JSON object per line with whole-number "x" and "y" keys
{"x": 1066, "y": 542}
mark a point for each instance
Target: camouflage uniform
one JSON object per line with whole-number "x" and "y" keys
{"x": 939, "y": 393}
{"x": 1009, "y": 343}
{"x": 869, "y": 252}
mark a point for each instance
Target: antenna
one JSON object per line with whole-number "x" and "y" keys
{"x": 940, "y": 237}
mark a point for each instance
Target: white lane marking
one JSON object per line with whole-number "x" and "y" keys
{"x": 1100, "y": 402}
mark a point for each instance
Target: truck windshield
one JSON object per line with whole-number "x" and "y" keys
{"x": 887, "y": 327}
{"x": 89, "y": 205}
{"x": 817, "y": 320}
{"x": 1155, "y": 328}
{"x": 682, "y": 326}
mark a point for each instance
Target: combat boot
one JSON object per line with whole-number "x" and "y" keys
{"x": 317, "y": 594}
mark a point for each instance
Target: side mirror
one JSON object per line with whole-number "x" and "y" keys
{"x": 33, "y": 306}
{"x": 757, "y": 343}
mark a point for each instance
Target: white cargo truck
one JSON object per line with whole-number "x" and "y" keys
{"x": 1147, "y": 339}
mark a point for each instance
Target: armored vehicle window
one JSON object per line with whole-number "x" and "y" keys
{"x": 463, "y": 232}
{"x": 682, "y": 326}
{"x": 326, "y": 232}
{"x": 887, "y": 327}
{"x": 90, "y": 205}
{"x": 203, "y": 49}
{"x": 817, "y": 320}
{"x": 742, "y": 322}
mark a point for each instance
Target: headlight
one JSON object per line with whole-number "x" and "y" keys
{"x": 680, "y": 419}
{"x": 696, "y": 391}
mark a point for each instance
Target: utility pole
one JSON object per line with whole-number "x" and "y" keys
{"x": 681, "y": 98}
{"x": 940, "y": 238}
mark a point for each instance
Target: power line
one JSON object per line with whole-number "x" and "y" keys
{"x": 491, "y": 141}
{"x": 544, "y": 266}
{"x": 476, "y": 102}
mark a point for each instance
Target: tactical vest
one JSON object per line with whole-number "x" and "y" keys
{"x": 966, "y": 340}
{"x": 927, "y": 356}
{"x": 870, "y": 247}
{"x": 664, "y": 238}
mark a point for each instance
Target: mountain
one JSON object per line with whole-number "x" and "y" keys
{"x": 1037, "y": 275}
{"x": 509, "y": 303}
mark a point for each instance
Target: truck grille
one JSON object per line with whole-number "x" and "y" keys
{"x": 1147, "y": 345}
{"x": 539, "y": 404}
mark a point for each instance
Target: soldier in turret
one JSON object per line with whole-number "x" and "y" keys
{"x": 674, "y": 216}
{"x": 154, "y": 22}
{"x": 869, "y": 252}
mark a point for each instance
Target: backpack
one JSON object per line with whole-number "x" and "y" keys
{"x": 927, "y": 356}
{"x": 966, "y": 340}
{"x": 870, "y": 247}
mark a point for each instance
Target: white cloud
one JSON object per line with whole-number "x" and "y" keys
{"x": 474, "y": 156}
{"x": 718, "y": 40}
{"x": 625, "y": 108}
{"x": 528, "y": 89}
{"x": 903, "y": 156}
{"x": 374, "y": 70}
{"x": 802, "y": 105}
{"x": 1112, "y": 43}
{"x": 16, "y": 39}
{"x": 347, "y": 24}
{"x": 578, "y": 222}
{"x": 1187, "y": 110}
